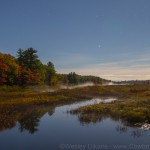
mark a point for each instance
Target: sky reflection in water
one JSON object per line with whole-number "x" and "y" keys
{"x": 46, "y": 127}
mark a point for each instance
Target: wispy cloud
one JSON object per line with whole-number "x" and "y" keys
{"x": 129, "y": 66}
{"x": 114, "y": 73}
{"x": 117, "y": 70}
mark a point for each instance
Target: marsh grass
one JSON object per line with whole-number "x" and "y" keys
{"x": 133, "y": 104}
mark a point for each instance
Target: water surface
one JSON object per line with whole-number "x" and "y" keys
{"x": 52, "y": 128}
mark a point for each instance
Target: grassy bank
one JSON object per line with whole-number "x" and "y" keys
{"x": 128, "y": 95}
{"x": 132, "y": 106}
{"x": 18, "y": 104}
{"x": 27, "y": 105}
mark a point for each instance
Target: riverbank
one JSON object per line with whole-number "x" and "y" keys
{"x": 132, "y": 106}
{"x": 126, "y": 94}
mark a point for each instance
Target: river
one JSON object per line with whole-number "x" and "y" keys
{"x": 58, "y": 130}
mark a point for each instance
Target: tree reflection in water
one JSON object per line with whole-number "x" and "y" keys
{"x": 7, "y": 117}
{"x": 27, "y": 117}
{"x": 89, "y": 118}
{"x": 51, "y": 112}
{"x": 121, "y": 129}
{"x": 29, "y": 122}
{"x": 136, "y": 133}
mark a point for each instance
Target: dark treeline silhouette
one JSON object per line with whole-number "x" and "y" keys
{"x": 133, "y": 82}
{"x": 27, "y": 69}
{"x": 74, "y": 79}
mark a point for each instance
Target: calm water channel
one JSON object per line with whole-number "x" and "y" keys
{"x": 54, "y": 129}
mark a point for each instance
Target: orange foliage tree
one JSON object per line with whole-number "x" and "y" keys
{"x": 8, "y": 69}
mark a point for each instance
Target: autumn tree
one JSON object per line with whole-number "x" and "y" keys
{"x": 27, "y": 69}
{"x": 8, "y": 69}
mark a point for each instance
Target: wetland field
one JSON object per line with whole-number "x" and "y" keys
{"x": 84, "y": 117}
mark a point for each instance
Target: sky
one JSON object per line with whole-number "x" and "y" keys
{"x": 106, "y": 38}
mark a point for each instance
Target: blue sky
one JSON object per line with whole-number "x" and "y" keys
{"x": 108, "y": 38}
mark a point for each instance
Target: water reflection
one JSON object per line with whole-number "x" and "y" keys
{"x": 7, "y": 118}
{"x": 90, "y": 118}
{"x": 29, "y": 122}
{"x": 136, "y": 133}
{"x": 59, "y": 127}
{"x": 28, "y": 117}
{"x": 121, "y": 129}
{"x": 86, "y": 118}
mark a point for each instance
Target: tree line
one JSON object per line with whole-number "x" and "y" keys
{"x": 74, "y": 79}
{"x": 27, "y": 69}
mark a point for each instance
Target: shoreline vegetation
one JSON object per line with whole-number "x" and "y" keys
{"x": 132, "y": 106}
{"x": 30, "y": 88}
{"x": 23, "y": 99}
{"x": 18, "y": 105}
{"x": 26, "y": 69}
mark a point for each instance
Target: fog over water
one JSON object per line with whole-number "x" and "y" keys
{"x": 59, "y": 87}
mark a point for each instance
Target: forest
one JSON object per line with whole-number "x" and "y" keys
{"x": 27, "y": 69}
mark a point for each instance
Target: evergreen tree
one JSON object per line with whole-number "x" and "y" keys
{"x": 51, "y": 78}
